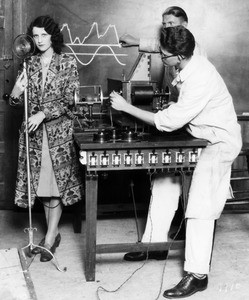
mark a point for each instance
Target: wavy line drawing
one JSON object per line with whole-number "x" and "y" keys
{"x": 76, "y": 43}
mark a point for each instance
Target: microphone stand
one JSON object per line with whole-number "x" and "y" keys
{"x": 31, "y": 229}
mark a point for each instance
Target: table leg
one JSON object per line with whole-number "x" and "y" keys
{"x": 91, "y": 224}
{"x": 77, "y": 216}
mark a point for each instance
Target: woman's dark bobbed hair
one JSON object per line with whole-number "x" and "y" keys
{"x": 52, "y": 28}
{"x": 177, "y": 40}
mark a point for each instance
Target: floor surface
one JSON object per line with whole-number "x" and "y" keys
{"x": 120, "y": 280}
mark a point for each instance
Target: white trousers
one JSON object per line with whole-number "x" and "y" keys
{"x": 199, "y": 243}
{"x": 166, "y": 190}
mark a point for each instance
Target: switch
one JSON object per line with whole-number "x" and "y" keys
{"x": 166, "y": 157}
{"x": 139, "y": 159}
{"x": 93, "y": 160}
{"x": 180, "y": 157}
{"x": 128, "y": 159}
{"x": 153, "y": 158}
{"x": 83, "y": 157}
{"x": 193, "y": 156}
{"x": 116, "y": 159}
{"x": 104, "y": 159}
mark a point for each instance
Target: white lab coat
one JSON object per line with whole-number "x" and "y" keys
{"x": 205, "y": 103}
{"x": 206, "y": 106}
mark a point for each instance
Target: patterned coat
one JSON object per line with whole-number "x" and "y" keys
{"x": 54, "y": 100}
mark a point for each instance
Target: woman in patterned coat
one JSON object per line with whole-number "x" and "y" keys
{"x": 51, "y": 80}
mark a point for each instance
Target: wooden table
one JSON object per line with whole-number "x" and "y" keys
{"x": 153, "y": 153}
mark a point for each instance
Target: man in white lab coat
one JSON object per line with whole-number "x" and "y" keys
{"x": 166, "y": 188}
{"x": 206, "y": 109}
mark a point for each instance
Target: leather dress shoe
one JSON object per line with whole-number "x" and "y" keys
{"x": 45, "y": 255}
{"x": 139, "y": 256}
{"x": 37, "y": 250}
{"x": 187, "y": 287}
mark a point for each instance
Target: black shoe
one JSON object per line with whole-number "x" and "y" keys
{"x": 45, "y": 255}
{"x": 37, "y": 250}
{"x": 139, "y": 256}
{"x": 187, "y": 287}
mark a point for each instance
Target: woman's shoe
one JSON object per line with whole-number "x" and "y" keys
{"x": 45, "y": 255}
{"x": 37, "y": 250}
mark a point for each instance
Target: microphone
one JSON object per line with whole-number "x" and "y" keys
{"x": 23, "y": 46}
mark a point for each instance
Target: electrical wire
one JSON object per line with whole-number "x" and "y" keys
{"x": 135, "y": 211}
{"x": 184, "y": 199}
{"x": 101, "y": 288}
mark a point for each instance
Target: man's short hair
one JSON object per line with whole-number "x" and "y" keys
{"x": 177, "y": 12}
{"x": 177, "y": 40}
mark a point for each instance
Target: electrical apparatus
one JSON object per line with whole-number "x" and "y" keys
{"x": 138, "y": 88}
{"x": 127, "y": 150}
{"x": 113, "y": 140}
{"x": 93, "y": 109}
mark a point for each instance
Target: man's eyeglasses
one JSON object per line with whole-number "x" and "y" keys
{"x": 164, "y": 56}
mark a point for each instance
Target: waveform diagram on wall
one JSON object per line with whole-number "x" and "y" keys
{"x": 94, "y": 44}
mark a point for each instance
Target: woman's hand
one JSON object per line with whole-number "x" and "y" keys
{"x": 35, "y": 120}
{"x": 118, "y": 102}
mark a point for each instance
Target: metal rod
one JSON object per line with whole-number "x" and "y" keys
{"x": 111, "y": 116}
{"x": 27, "y": 148}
